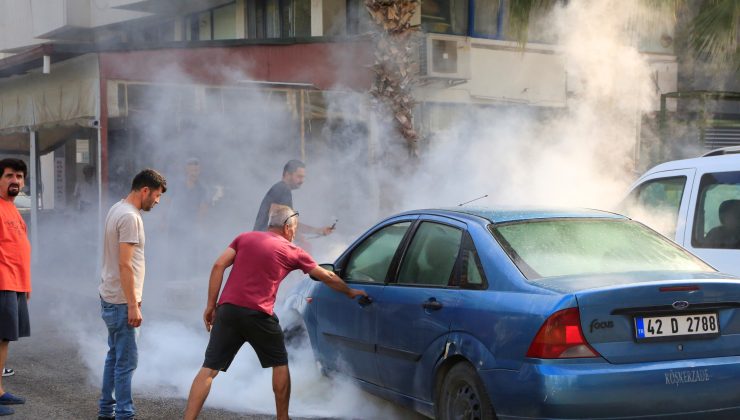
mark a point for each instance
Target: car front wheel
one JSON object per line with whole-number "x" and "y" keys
{"x": 462, "y": 396}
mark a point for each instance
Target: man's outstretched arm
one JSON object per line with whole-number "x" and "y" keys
{"x": 335, "y": 282}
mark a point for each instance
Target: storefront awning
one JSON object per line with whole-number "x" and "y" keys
{"x": 56, "y": 104}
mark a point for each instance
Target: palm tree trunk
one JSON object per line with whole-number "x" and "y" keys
{"x": 396, "y": 71}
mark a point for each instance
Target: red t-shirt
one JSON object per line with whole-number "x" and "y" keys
{"x": 15, "y": 250}
{"x": 262, "y": 261}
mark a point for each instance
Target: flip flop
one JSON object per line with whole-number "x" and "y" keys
{"x": 10, "y": 399}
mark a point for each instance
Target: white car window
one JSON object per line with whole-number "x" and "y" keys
{"x": 656, "y": 203}
{"x": 717, "y": 216}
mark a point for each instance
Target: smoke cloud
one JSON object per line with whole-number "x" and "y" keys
{"x": 582, "y": 155}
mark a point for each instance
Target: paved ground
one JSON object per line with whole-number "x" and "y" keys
{"x": 52, "y": 376}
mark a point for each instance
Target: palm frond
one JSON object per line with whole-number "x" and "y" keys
{"x": 520, "y": 11}
{"x": 714, "y": 32}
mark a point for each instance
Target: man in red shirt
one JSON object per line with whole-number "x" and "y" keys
{"x": 260, "y": 260}
{"x": 15, "y": 268}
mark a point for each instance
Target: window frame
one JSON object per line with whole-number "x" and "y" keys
{"x": 468, "y": 244}
{"x": 191, "y": 22}
{"x": 699, "y": 213}
{"x": 633, "y": 200}
{"x": 343, "y": 261}
{"x": 453, "y": 282}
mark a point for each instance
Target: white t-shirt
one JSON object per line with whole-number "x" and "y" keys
{"x": 123, "y": 224}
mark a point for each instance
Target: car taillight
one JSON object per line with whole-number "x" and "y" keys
{"x": 561, "y": 337}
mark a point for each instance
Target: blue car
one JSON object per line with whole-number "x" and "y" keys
{"x": 478, "y": 313}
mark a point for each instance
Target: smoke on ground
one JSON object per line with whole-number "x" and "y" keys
{"x": 581, "y": 155}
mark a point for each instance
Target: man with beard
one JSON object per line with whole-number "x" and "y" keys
{"x": 122, "y": 282}
{"x": 15, "y": 269}
{"x": 281, "y": 194}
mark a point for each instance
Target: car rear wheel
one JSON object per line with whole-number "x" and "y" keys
{"x": 462, "y": 396}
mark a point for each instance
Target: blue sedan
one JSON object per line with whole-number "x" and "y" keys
{"x": 477, "y": 313}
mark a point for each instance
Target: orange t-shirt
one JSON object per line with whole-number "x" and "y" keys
{"x": 15, "y": 250}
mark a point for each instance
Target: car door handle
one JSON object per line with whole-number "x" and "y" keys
{"x": 432, "y": 304}
{"x": 364, "y": 301}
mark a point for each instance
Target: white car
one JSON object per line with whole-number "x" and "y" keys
{"x": 695, "y": 202}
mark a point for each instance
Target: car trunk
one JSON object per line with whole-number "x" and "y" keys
{"x": 662, "y": 320}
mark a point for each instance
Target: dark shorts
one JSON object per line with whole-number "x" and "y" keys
{"x": 14, "y": 321}
{"x": 235, "y": 325}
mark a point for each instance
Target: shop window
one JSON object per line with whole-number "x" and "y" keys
{"x": 218, "y": 23}
{"x": 302, "y": 18}
{"x": 445, "y": 16}
{"x": 358, "y": 19}
{"x": 224, "y": 22}
{"x": 278, "y": 18}
{"x": 82, "y": 152}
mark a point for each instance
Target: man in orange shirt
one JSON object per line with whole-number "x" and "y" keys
{"x": 15, "y": 269}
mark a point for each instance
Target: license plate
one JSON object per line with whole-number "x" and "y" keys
{"x": 676, "y": 325}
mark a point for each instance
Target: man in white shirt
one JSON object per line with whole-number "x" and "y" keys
{"x": 121, "y": 289}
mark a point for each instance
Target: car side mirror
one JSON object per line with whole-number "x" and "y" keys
{"x": 327, "y": 267}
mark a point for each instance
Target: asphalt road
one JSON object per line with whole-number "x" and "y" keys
{"x": 57, "y": 382}
{"x": 56, "y": 385}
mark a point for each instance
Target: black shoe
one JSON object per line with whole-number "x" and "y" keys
{"x": 106, "y": 418}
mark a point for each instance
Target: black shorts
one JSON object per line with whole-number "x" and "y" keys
{"x": 235, "y": 325}
{"x": 14, "y": 321}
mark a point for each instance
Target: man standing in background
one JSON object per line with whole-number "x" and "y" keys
{"x": 294, "y": 173}
{"x": 15, "y": 269}
{"x": 185, "y": 218}
{"x": 121, "y": 289}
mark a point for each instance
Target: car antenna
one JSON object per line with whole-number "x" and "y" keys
{"x": 475, "y": 199}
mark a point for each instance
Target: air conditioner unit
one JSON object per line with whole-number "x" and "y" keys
{"x": 445, "y": 57}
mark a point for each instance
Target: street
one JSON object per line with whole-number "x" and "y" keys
{"x": 59, "y": 366}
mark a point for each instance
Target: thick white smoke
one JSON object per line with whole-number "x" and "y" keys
{"x": 579, "y": 156}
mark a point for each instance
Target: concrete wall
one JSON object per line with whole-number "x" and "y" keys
{"x": 500, "y": 73}
{"x": 15, "y": 30}
{"x": 25, "y": 23}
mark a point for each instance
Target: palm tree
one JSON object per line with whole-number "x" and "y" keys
{"x": 712, "y": 33}
{"x": 395, "y": 69}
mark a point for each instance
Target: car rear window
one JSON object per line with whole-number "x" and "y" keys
{"x": 565, "y": 247}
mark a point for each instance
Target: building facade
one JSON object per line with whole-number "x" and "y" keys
{"x": 122, "y": 84}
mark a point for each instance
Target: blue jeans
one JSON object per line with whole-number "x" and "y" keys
{"x": 120, "y": 363}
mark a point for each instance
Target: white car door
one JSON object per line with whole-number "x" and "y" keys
{"x": 714, "y": 219}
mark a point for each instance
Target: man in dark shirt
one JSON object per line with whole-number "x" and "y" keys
{"x": 281, "y": 194}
